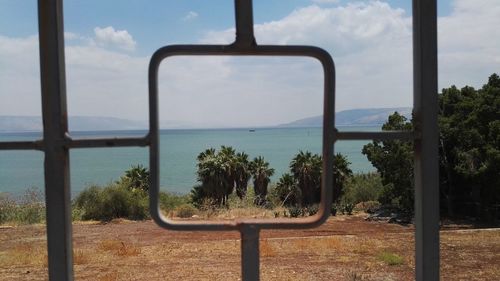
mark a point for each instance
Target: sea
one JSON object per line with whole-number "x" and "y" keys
{"x": 21, "y": 170}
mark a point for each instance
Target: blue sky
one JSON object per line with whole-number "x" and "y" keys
{"x": 108, "y": 45}
{"x": 166, "y": 18}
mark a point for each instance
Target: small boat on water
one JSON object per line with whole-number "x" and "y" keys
{"x": 251, "y": 130}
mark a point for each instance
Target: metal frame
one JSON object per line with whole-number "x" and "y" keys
{"x": 250, "y": 49}
{"x": 56, "y": 140}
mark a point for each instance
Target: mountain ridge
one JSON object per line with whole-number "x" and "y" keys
{"x": 352, "y": 117}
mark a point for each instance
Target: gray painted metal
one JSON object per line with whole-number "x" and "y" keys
{"x": 425, "y": 109}
{"x": 55, "y": 124}
{"x": 22, "y": 145}
{"x": 57, "y": 141}
{"x": 250, "y": 264}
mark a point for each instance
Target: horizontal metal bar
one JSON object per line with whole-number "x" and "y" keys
{"x": 107, "y": 142}
{"x": 236, "y": 50}
{"x": 22, "y": 145}
{"x": 386, "y": 135}
{"x": 237, "y": 224}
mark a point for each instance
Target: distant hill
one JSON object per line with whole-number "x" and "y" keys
{"x": 76, "y": 123}
{"x": 353, "y": 117}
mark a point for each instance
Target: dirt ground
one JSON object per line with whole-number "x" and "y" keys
{"x": 344, "y": 248}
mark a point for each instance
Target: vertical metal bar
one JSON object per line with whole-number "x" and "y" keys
{"x": 244, "y": 23}
{"x": 250, "y": 264}
{"x": 426, "y": 147}
{"x": 55, "y": 126}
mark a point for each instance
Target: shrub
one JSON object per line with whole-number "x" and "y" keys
{"x": 112, "y": 201}
{"x": 29, "y": 209}
{"x": 334, "y": 209}
{"x": 185, "y": 211}
{"x": 312, "y": 210}
{"x": 363, "y": 187}
{"x": 247, "y": 202}
{"x": 295, "y": 211}
{"x": 8, "y": 208}
{"x": 346, "y": 208}
{"x": 169, "y": 201}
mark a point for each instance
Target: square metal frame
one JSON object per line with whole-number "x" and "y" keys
{"x": 328, "y": 138}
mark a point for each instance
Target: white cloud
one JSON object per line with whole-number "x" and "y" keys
{"x": 108, "y": 36}
{"x": 370, "y": 43}
{"x": 469, "y": 43}
{"x": 191, "y": 15}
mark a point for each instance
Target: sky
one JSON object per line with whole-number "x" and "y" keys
{"x": 109, "y": 44}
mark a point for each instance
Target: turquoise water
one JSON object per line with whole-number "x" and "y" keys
{"x": 20, "y": 170}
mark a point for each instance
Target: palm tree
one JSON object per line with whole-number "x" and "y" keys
{"x": 261, "y": 177}
{"x": 136, "y": 177}
{"x": 341, "y": 173}
{"x": 212, "y": 175}
{"x": 227, "y": 157}
{"x": 242, "y": 174}
{"x": 306, "y": 169}
{"x": 287, "y": 190}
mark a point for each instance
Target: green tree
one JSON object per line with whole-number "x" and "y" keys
{"x": 469, "y": 153}
{"x": 136, "y": 177}
{"x": 219, "y": 172}
{"x": 341, "y": 174}
{"x": 261, "y": 173}
{"x": 306, "y": 169}
{"x": 242, "y": 174}
{"x": 212, "y": 173}
{"x": 393, "y": 159}
{"x": 287, "y": 190}
{"x": 469, "y": 147}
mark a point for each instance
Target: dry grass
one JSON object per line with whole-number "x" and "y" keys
{"x": 345, "y": 248}
{"x": 266, "y": 249}
{"x": 112, "y": 276}
{"x": 119, "y": 248}
{"x": 80, "y": 257}
{"x": 24, "y": 255}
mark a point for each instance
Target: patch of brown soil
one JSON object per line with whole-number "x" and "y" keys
{"x": 344, "y": 248}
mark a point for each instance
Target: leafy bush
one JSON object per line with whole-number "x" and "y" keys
{"x": 112, "y": 201}
{"x": 363, "y": 187}
{"x": 8, "y": 208}
{"x": 311, "y": 210}
{"x": 169, "y": 201}
{"x": 246, "y": 202}
{"x": 295, "y": 211}
{"x": 29, "y": 209}
{"x": 346, "y": 208}
{"x": 185, "y": 211}
{"x": 333, "y": 209}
